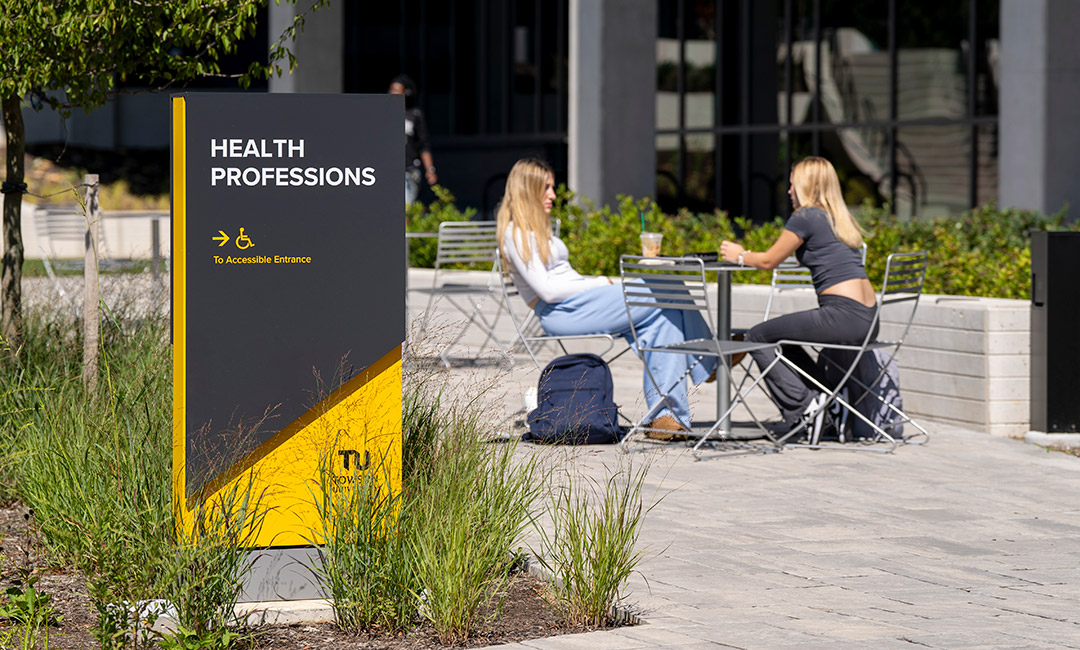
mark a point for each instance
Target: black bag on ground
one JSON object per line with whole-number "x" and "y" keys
{"x": 835, "y": 362}
{"x": 575, "y": 403}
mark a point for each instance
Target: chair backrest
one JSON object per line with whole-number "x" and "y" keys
{"x": 905, "y": 274}
{"x": 789, "y": 275}
{"x": 526, "y": 326}
{"x": 665, "y": 283}
{"x": 466, "y": 243}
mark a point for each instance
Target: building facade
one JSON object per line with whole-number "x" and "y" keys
{"x": 930, "y": 106}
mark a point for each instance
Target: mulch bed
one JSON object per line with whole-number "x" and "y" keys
{"x": 527, "y": 612}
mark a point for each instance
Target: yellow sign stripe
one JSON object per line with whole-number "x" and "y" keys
{"x": 361, "y": 433}
{"x": 326, "y": 405}
{"x": 179, "y": 290}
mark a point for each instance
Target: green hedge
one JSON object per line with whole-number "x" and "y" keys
{"x": 984, "y": 252}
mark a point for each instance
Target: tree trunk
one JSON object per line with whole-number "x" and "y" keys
{"x": 11, "y": 321}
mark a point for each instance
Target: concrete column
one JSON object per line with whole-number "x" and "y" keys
{"x": 319, "y": 48}
{"x": 1040, "y": 93}
{"x": 612, "y": 96}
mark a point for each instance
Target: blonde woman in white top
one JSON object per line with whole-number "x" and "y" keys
{"x": 568, "y": 303}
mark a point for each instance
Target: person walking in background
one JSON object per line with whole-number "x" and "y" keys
{"x": 418, "y": 160}
{"x": 826, "y": 239}
{"x": 568, "y": 303}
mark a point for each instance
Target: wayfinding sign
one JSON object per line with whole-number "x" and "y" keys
{"x": 288, "y": 298}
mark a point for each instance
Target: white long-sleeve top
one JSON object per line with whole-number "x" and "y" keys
{"x": 552, "y": 282}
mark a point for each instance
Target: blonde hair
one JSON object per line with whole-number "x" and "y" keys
{"x": 816, "y": 185}
{"x": 522, "y": 208}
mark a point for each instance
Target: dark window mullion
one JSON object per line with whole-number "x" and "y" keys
{"x": 718, "y": 111}
{"x": 507, "y": 61}
{"x": 680, "y": 91}
{"x": 816, "y": 106}
{"x": 893, "y": 103}
{"x": 744, "y": 110}
{"x": 560, "y": 56}
{"x": 481, "y": 64}
{"x": 973, "y": 152}
{"x": 452, "y": 41}
{"x": 538, "y": 95}
{"x": 422, "y": 48}
{"x": 808, "y": 127}
{"x": 789, "y": 87}
{"x": 402, "y": 39}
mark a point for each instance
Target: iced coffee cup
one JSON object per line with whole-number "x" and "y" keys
{"x": 650, "y": 243}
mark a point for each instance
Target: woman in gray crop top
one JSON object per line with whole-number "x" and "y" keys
{"x": 826, "y": 239}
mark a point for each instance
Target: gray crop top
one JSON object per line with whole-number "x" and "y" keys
{"x": 830, "y": 260}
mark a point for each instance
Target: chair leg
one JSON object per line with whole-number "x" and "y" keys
{"x": 923, "y": 434}
{"x": 715, "y": 428}
{"x": 831, "y": 395}
{"x": 475, "y": 317}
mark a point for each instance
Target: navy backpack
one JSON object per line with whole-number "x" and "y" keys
{"x": 575, "y": 403}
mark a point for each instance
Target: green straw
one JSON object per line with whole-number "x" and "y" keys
{"x": 642, "y": 221}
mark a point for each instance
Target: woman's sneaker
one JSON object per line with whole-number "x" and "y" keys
{"x": 838, "y": 415}
{"x": 814, "y": 417}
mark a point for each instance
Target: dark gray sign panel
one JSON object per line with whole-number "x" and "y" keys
{"x": 290, "y": 283}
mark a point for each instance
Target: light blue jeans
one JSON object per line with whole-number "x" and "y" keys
{"x": 412, "y": 185}
{"x": 601, "y": 310}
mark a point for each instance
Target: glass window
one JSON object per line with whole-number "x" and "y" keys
{"x": 861, "y": 159}
{"x": 668, "y": 185}
{"x": 853, "y": 82}
{"x": 823, "y": 64}
{"x": 987, "y": 58}
{"x": 700, "y": 186}
{"x": 986, "y": 180}
{"x": 932, "y": 169}
{"x": 932, "y": 64}
{"x": 793, "y": 148}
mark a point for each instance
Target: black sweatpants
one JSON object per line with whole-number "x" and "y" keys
{"x": 836, "y": 320}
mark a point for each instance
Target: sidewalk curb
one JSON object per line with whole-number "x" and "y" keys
{"x": 1053, "y": 440}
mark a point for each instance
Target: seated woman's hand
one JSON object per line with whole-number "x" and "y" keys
{"x": 730, "y": 251}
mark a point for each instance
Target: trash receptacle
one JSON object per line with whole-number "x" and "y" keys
{"x": 1055, "y": 331}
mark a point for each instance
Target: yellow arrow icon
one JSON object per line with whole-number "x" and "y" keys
{"x": 224, "y": 239}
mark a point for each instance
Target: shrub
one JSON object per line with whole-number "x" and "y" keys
{"x": 983, "y": 252}
{"x": 95, "y": 468}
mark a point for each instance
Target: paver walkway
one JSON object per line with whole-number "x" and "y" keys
{"x": 970, "y": 541}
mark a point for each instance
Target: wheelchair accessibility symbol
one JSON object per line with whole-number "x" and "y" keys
{"x": 243, "y": 241}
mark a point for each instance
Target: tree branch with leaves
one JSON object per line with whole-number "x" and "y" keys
{"x": 80, "y": 53}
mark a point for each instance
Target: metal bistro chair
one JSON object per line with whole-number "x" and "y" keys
{"x": 679, "y": 283}
{"x": 902, "y": 286}
{"x": 474, "y": 246}
{"x": 533, "y": 338}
